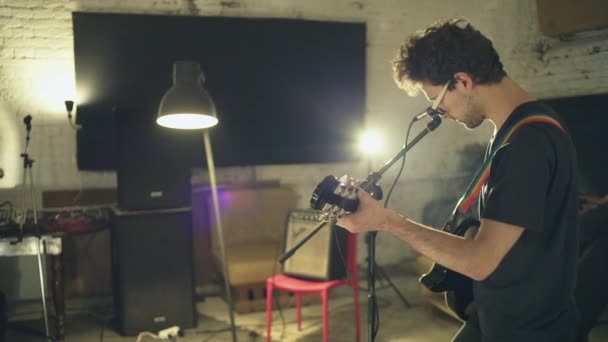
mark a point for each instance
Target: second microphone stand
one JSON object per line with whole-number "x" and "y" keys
{"x": 28, "y": 181}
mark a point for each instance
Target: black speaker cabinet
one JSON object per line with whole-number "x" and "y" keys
{"x": 152, "y": 269}
{"x": 145, "y": 185}
{"x": 323, "y": 257}
{"x": 152, "y": 169}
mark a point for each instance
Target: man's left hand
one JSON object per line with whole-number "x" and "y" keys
{"x": 370, "y": 215}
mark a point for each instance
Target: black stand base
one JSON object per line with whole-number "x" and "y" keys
{"x": 382, "y": 275}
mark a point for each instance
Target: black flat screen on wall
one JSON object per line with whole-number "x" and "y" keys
{"x": 286, "y": 91}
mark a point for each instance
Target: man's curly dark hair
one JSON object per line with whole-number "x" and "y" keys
{"x": 436, "y": 53}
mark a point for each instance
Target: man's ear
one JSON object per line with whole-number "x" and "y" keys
{"x": 464, "y": 82}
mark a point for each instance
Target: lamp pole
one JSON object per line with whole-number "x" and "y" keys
{"x": 218, "y": 220}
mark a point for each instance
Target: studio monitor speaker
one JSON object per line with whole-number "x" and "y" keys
{"x": 153, "y": 169}
{"x": 323, "y": 257}
{"x": 152, "y": 268}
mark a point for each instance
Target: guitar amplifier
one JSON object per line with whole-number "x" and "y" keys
{"x": 323, "y": 257}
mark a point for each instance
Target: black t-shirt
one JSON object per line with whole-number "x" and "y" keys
{"x": 532, "y": 184}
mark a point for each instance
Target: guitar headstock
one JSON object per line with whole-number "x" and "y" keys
{"x": 335, "y": 197}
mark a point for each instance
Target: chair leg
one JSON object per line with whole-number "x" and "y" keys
{"x": 269, "y": 291}
{"x": 299, "y": 310}
{"x": 325, "y": 301}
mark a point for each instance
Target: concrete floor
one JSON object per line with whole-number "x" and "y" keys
{"x": 397, "y": 322}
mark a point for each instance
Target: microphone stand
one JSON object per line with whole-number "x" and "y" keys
{"x": 27, "y": 171}
{"x": 40, "y": 242}
{"x": 369, "y": 185}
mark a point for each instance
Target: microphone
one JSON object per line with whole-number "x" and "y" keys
{"x": 27, "y": 121}
{"x": 428, "y": 112}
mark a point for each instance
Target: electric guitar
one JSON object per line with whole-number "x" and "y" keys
{"x": 457, "y": 288}
{"x": 336, "y": 198}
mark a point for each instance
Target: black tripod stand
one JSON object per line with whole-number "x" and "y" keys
{"x": 377, "y": 193}
{"x": 373, "y": 314}
{"x": 370, "y": 185}
{"x": 381, "y": 274}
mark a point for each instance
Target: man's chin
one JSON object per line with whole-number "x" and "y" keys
{"x": 469, "y": 126}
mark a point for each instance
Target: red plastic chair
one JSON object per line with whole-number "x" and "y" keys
{"x": 300, "y": 286}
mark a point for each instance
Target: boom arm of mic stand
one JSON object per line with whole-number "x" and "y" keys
{"x": 371, "y": 180}
{"x": 292, "y": 251}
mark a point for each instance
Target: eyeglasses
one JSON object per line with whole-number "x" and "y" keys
{"x": 439, "y": 98}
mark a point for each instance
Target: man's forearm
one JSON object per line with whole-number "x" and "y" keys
{"x": 454, "y": 252}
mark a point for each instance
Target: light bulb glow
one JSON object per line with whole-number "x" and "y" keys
{"x": 370, "y": 143}
{"x": 187, "y": 121}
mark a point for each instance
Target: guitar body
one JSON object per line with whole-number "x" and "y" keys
{"x": 458, "y": 288}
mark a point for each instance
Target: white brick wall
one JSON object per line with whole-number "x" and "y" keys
{"x": 37, "y": 75}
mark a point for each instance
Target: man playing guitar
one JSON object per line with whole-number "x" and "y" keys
{"x": 522, "y": 260}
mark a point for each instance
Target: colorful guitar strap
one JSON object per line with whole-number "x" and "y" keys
{"x": 472, "y": 193}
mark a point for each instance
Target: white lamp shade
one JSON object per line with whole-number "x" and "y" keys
{"x": 186, "y": 105}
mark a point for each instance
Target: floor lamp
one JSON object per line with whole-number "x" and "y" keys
{"x": 187, "y": 105}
